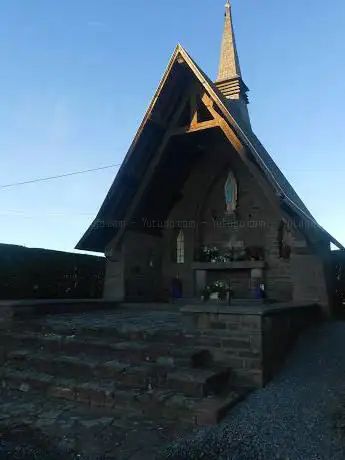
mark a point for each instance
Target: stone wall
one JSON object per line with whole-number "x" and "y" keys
{"x": 279, "y": 275}
{"x": 114, "y": 282}
{"x": 280, "y": 329}
{"x": 310, "y": 280}
{"x": 235, "y": 340}
{"x": 134, "y": 272}
{"x": 254, "y": 342}
{"x": 202, "y": 211}
{"x": 143, "y": 266}
{"x": 201, "y": 215}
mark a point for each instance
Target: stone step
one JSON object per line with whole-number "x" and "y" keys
{"x": 160, "y": 374}
{"x": 200, "y": 382}
{"x": 155, "y": 404}
{"x": 171, "y": 336}
{"x": 213, "y": 409}
{"x": 82, "y": 366}
{"x": 104, "y": 394}
{"x": 131, "y": 352}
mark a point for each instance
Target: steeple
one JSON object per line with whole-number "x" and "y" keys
{"x": 229, "y": 80}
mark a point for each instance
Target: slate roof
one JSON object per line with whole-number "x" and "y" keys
{"x": 262, "y": 158}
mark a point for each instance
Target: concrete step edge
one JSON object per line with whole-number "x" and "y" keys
{"x": 213, "y": 410}
{"x": 202, "y": 375}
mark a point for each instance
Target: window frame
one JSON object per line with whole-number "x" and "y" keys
{"x": 180, "y": 247}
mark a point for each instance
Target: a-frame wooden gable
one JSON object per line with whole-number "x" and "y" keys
{"x": 196, "y": 111}
{"x": 174, "y": 112}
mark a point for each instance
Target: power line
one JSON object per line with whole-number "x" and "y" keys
{"x": 26, "y": 214}
{"x": 75, "y": 173}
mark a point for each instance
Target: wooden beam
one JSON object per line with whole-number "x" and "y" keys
{"x": 230, "y": 133}
{"x": 195, "y": 125}
{"x": 208, "y": 102}
{"x": 218, "y": 121}
{"x": 150, "y": 170}
{"x": 254, "y": 170}
{"x": 198, "y": 127}
{"x": 239, "y": 147}
{"x": 194, "y": 109}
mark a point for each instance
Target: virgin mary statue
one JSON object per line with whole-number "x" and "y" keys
{"x": 230, "y": 189}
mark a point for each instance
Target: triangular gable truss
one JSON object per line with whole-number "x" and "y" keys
{"x": 220, "y": 116}
{"x": 197, "y": 103}
{"x": 202, "y": 106}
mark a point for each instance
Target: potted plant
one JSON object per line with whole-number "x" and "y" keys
{"x": 209, "y": 254}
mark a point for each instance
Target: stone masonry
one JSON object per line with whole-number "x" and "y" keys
{"x": 200, "y": 213}
{"x": 193, "y": 135}
{"x": 88, "y": 381}
{"x": 252, "y": 340}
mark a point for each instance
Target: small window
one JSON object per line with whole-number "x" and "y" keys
{"x": 180, "y": 248}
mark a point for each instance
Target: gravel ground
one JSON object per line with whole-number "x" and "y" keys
{"x": 298, "y": 416}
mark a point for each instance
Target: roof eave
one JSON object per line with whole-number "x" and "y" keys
{"x": 81, "y": 244}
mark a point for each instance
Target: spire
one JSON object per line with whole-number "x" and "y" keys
{"x": 229, "y": 80}
{"x": 229, "y": 65}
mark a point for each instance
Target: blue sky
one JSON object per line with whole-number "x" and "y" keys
{"x": 77, "y": 76}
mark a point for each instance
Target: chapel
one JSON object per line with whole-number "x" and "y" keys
{"x": 198, "y": 204}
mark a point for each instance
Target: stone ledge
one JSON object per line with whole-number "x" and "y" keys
{"x": 257, "y": 309}
{"x": 239, "y": 265}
